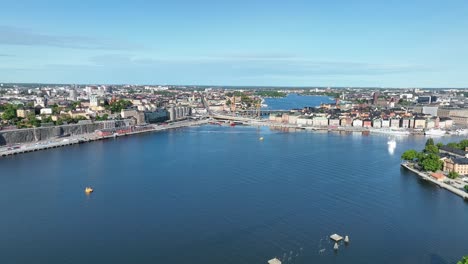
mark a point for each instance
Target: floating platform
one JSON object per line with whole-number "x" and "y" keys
{"x": 336, "y": 237}
{"x": 274, "y": 261}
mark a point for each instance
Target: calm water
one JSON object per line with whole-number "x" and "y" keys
{"x": 219, "y": 195}
{"x": 294, "y": 101}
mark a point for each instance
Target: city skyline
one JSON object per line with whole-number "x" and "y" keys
{"x": 260, "y": 43}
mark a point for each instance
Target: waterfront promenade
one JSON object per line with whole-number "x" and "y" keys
{"x": 444, "y": 185}
{"x": 84, "y": 138}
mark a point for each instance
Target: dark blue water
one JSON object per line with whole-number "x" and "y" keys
{"x": 294, "y": 101}
{"x": 219, "y": 195}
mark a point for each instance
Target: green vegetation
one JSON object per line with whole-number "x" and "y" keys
{"x": 431, "y": 149}
{"x": 466, "y": 188}
{"x": 9, "y": 112}
{"x": 118, "y": 106}
{"x": 270, "y": 94}
{"x": 403, "y": 102}
{"x": 428, "y": 159}
{"x": 410, "y": 154}
{"x": 228, "y": 102}
{"x": 453, "y": 175}
{"x": 430, "y": 142}
{"x": 102, "y": 118}
{"x": 464, "y": 260}
{"x": 460, "y": 145}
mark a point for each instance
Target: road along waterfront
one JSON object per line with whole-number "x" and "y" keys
{"x": 85, "y": 138}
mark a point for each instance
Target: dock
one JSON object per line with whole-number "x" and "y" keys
{"x": 274, "y": 261}
{"x": 444, "y": 185}
{"x": 336, "y": 237}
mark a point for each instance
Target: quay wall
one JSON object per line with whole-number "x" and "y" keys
{"x": 28, "y": 135}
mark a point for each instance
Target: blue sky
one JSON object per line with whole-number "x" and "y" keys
{"x": 396, "y": 43}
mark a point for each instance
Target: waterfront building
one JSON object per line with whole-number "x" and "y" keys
{"x": 346, "y": 122}
{"x": 395, "y": 122}
{"x": 460, "y": 121}
{"x": 334, "y": 122}
{"x": 445, "y": 122}
{"x": 430, "y": 123}
{"x": 419, "y": 123}
{"x": 385, "y": 123}
{"x": 377, "y": 123}
{"x": 319, "y": 121}
{"x": 449, "y": 112}
{"x": 458, "y": 165}
{"x": 159, "y": 115}
{"x": 293, "y": 119}
{"x": 406, "y": 122}
{"x": 302, "y": 121}
{"x": 458, "y": 153}
{"x": 367, "y": 123}
{"x": 357, "y": 123}
{"x": 438, "y": 176}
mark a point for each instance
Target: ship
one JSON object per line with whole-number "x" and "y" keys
{"x": 391, "y": 131}
{"x": 435, "y": 132}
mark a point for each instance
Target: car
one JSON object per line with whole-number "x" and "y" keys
{"x": 465, "y": 179}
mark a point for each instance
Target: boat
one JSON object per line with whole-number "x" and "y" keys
{"x": 391, "y": 131}
{"x": 435, "y": 132}
{"x": 89, "y": 190}
{"x": 261, "y": 139}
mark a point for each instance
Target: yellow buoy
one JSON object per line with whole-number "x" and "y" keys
{"x": 88, "y": 190}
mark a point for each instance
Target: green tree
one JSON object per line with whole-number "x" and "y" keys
{"x": 431, "y": 149}
{"x": 431, "y": 162}
{"x": 439, "y": 145}
{"x": 410, "y": 154}
{"x": 463, "y": 144}
{"x": 453, "y": 145}
{"x": 466, "y": 188}
{"x": 228, "y": 102}
{"x": 9, "y": 112}
{"x": 430, "y": 142}
{"x": 453, "y": 175}
{"x": 464, "y": 260}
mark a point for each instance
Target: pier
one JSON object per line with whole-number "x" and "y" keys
{"x": 444, "y": 185}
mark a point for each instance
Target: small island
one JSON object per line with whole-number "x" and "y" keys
{"x": 444, "y": 165}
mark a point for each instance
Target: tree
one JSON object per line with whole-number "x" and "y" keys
{"x": 410, "y": 154}
{"x": 453, "y": 175}
{"x": 466, "y": 190}
{"x": 464, "y": 260}
{"x": 463, "y": 144}
{"x": 431, "y": 149}
{"x": 9, "y": 112}
{"x": 453, "y": 145}
{"x": 430, "y": 142}
{"x": 439, "y": 145}
{"x": 431, "y": 162}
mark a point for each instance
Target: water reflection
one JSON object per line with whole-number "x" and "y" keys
{"x": 391, "y": 146}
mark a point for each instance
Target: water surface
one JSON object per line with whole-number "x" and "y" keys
{"x": 219, "y": 195}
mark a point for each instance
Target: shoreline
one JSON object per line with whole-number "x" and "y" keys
{"x": 443, "y": 185}
{"x": 91, "y": 137}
